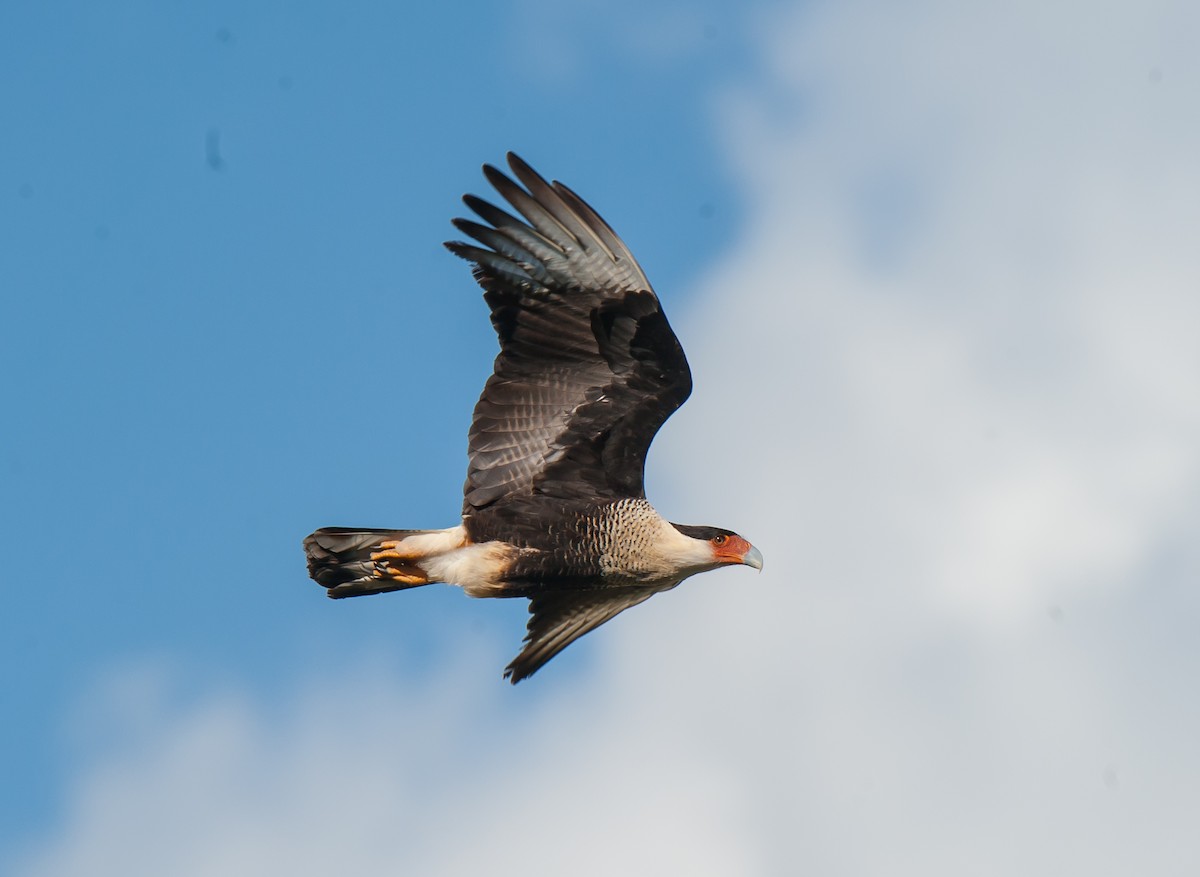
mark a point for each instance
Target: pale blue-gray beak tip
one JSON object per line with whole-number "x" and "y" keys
{"x": 753, "y": 558}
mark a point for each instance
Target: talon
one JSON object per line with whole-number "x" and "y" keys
{"x": 389, "y": 550}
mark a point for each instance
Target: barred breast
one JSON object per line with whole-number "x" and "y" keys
{"x": 628, "y": 537}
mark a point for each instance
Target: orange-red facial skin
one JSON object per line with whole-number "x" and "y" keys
{"x": 732, "y": 550}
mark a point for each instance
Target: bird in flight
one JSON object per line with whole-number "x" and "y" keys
{"x": 554, "y": 507}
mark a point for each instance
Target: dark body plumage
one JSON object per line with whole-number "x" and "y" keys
{"x": 554, "y": 507}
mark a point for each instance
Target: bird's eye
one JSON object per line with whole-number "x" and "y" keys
{"x": 718, "y": 540}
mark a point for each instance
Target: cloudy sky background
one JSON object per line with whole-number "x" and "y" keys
{"x": 935, "y": 269}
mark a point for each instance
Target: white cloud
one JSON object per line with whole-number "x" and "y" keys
{"x": 957, "y": 336}
{"x": 381, "y": 774}
{"x": 1015, "y": 390}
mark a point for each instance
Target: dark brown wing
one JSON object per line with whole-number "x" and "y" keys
{"x": 558, "y": 618}
{"x": 589, "y": 368}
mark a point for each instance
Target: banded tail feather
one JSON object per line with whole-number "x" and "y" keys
{"x": 351, "y": 563}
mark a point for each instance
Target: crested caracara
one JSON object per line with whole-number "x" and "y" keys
{"x": 554, "y": 507}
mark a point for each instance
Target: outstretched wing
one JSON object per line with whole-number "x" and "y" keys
{"x": 558, "y": 618}
{"x": 588, "y": 369}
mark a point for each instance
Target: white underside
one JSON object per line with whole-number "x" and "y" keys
{"x": 447, "y": 556}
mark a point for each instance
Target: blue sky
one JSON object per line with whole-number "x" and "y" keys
{"x": 207, "y": 362}
{"x": 950, "y": 297}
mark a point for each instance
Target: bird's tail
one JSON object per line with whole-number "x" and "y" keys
{"x": 351, "y": 563}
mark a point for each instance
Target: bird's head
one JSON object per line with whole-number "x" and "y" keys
{"x": 723, "y": 546}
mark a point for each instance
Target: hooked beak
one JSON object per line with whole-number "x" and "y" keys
{"x": 753, "y": 558}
